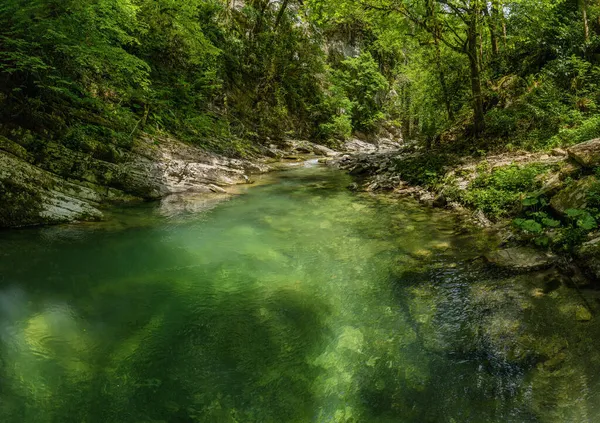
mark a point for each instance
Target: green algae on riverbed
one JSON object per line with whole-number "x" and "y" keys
{"x": 295, "y": 302}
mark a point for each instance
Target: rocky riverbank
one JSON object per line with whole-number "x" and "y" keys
{"x": 537, "y": 202}
{"x": 55, "y": 184}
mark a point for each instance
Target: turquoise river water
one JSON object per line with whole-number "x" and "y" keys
{"x": 295, "y": 301}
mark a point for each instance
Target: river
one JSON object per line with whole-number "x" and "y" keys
{"x": 296, "y": 301}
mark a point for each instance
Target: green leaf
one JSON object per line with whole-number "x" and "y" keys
{"x": 530, "y": 201}
{"x": 574, "y": 213}
{"x": 587, "y": 222}
{"x": 529, "y": 225}
{"x": 542, "y": 241}
{"x": 550, "y": 223}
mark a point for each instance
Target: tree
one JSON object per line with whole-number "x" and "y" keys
{"x": 50, "y": 65}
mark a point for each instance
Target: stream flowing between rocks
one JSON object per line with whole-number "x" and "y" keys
{"x": 297, "y": 301}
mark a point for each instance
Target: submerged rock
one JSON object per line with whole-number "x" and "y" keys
{"x": 521, "y": 258}
{"x": 582, "y": 314}
{"x": 440, "y": 201}
{"x": 588, "y": 257}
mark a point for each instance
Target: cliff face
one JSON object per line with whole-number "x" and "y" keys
{"x": 60, "y": 185}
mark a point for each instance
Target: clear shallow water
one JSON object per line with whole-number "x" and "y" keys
{"x": 295, "y": 302}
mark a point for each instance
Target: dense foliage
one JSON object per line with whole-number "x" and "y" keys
{"x": 229, "y": 74}
{"x": 94, "y": 73}
{"x": 511, "y": 73}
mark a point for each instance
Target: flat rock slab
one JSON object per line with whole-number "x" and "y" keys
{"x": 587, "y": 153}
{"x": 521, "y": 258}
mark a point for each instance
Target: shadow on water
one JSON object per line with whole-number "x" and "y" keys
{"x": 134, "y": 342}
{"x": 497, "y": 347}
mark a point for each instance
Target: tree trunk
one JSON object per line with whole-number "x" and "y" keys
{"x": 472, "y": 53}
{"x": 406, "y": 119}
{"x": 502, "y": 19}
{"x": 586, "y": 25}
{"x": 442, "y": 76}
{"x": 282, "y": 9}
{"x": 478, "y": 115}
{"x": 438, "y": 56}
{"x": 262, "y": 8}
{"x": 493, "y": 23}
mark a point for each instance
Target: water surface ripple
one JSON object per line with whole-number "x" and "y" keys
{"x": 297, "y": 301}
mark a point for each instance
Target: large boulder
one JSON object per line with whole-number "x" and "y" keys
{"x": 356, "y": 146}
{"x": 387, "y": 144}
{"x": 321, "y": 150}
{"x": 302, "y": 147}
{"x": 575, "y": 196}
{"x": 31, "y": 196}
{"x": 587, "y": 153}
{"x": 588, "y": 257}
{"x": 521, "y": 259}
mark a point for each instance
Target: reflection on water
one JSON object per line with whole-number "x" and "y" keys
{"x": 295, "y": 302}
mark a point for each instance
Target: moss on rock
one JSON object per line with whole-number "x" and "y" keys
{"x": 575, "y": 196}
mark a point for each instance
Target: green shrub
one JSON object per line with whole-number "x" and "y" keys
{"x": 562, "y": 235}
{"x": 498, "y": 193}
{"x": 339, "y": 128}
{"x": 587, "y": 130}
{"x": 492, "y": 201}
{"x": 512, "y": 178}
{"x": 426, "y": 169}
{"x": 338, "y": 109}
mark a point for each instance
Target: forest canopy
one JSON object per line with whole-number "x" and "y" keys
{"x": 229, "y": 74}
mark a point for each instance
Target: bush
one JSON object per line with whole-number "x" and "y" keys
{"x": 498, "y": 193}
{"x": 339, "y": 128}
{"x": 492, "y": 201}
{"x": 511, "y": 178}
{"x": 425, "y": 170}
{"x": 564, "y": 235}
{"x": 587, "y": 130}
{"x": 337, "y": 109}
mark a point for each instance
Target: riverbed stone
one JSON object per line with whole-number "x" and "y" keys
{"x": 588, "y": 258}
{"x": 321, "y": 150}
{"x": 521, "y": 259}
{"x": 569, "y": 169}
{"x": 586, "y": 153}
{"x": 575, "y": 196}
{"x": 481, "y": 220}
{"x": 582, "y": 314}
{"x": 551, "y": 185}
{"x": 440, "y": 201}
